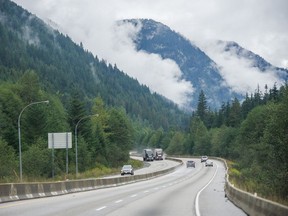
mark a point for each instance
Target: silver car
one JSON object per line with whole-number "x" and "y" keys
{"x": 190, "y": 163}
{"x": 204, "y": 158}
{"x": 127, "y": 169}
{"x": 209, "y": 163}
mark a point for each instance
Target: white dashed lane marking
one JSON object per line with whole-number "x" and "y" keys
{"x": 147, "y": 191}
{"x": 101, "y": 208}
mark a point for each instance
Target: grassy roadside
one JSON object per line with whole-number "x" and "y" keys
{"x": 240, "y": 181}
{"x": 97, "y": 172}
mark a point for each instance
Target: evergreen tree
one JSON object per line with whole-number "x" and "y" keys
{"x": 120, "y": 136}
{"x": 8, "y": 161}
{"x": 176, "y": 145}
{"x": 274, "y": 93}
{"x": 235, "y": 113}
{"x": 202, "y": 106}
{"x": 29, "y": 87}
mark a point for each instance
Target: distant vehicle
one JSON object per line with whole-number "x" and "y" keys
{"x": 190, "y": 163}
{"x": 209, "y": 163}
{"x": 204, "y": 158}
{"x": 148, "y": 155}
{"x": 158, "y": 154}
{"x": 127, "y": 169}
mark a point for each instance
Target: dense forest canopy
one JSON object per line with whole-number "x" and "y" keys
{"x": 120, "y": 115}
{"x": 62, "y": 66}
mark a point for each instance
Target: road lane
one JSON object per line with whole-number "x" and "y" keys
{"x": 172, "y": 194}
{"x": 156, "y": 165}
{"x": 212, "y": 200}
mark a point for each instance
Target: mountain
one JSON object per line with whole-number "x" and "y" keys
{"x": 27, "y": 43}
{"x": 257, "y": 61}
{"x": 196, "y": 66}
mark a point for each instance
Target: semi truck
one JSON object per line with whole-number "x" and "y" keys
{"x": 158, "y": 154}
{"x": 148, "y": 155}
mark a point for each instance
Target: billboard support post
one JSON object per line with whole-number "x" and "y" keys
{"x": 59, "y": 141}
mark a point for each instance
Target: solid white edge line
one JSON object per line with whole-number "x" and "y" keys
{"x": 198, "y": 194}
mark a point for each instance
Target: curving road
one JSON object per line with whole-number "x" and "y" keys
{"x": 187, "y": 191}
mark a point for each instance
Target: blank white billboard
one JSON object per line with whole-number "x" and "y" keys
{"x": 60, "y": 140}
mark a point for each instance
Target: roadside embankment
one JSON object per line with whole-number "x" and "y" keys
{"x": 251, "y": 204}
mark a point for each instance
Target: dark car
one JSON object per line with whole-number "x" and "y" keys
{"x": 190, "y": 163}
{"x": 127, "y": 169}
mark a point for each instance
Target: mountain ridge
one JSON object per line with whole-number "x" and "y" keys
{"x": 63, "y": 66}
{"x": 195, "y": 64}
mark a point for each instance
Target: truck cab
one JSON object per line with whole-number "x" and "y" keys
{"x": 158, "y": 154}
{"x": 148, "y": 155}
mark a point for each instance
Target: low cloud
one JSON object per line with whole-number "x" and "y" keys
{"x": 257, "y": 25}
{"x": 96, "y": 28}
{"x": 238, "y": 72}
{"x": 161, "y": 75}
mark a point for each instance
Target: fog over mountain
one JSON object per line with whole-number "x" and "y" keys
{"x": 234, "y": 72}
{"x": 247, "y": 22}
{"x": 243, "y": 70}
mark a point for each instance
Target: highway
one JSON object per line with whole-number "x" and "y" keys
{"x": 186, "y": 191}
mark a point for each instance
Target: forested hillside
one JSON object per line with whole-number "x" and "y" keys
{"x": 38, "y": 63}
{"x": 253, "y": 135}
{"x": 63, "y": 66}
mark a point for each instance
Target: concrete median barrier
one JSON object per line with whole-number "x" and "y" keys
{"x": 22, "y": 191}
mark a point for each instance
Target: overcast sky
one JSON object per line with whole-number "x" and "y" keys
{"x": 257, "y": 25}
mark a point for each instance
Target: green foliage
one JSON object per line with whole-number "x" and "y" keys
{"x": 63, "y": 67}
{"x": 103, "y": 138}
{"x": 254, "y": 134}
{"x": 8, "y": 161}
{"x": 120, "y": 134}
{"x": 176, "y": 145}
{"x": 10, "y": 106}
{"x": 155, "y": 140}
{"x": 29, "y": 85}
{"x": 199, "y": 136}
{"x": 251, "y": 133}
{"x": 202, "y": 106}
{"x": 85, "y": 156}
{"x": 98, "y": 171}
{"x": 37, "y": 160}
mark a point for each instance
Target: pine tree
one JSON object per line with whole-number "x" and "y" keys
{"x": 202, "y": 106}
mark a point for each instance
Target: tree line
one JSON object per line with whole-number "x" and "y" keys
{"x": 252, "y": 134}
{"x": 105, "y": 138}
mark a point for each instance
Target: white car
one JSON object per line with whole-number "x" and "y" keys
{"x": 127, "y": 169}
{"x": 204, "y": 158}
{"x": 209, "y": 163}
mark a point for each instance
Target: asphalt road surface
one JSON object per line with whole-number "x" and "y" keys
{"x": 187, "y": 191}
